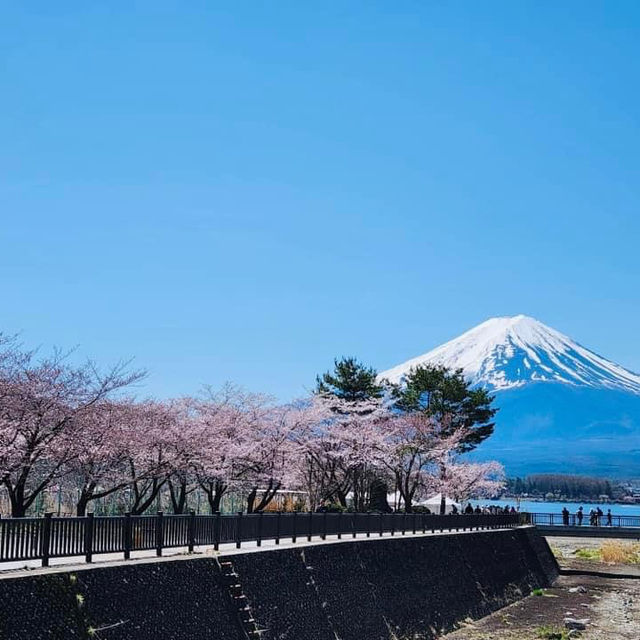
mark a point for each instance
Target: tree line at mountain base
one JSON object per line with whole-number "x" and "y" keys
{"x": 565, "y": 486}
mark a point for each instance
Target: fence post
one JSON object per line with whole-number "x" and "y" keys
{"x": 88, "y": 537}
{"x": 309, "y": 534}
{"x": 353, "y": 524}
{"x": 404, "y": 523}
{"x": 239, "y": 530}
{"x": 127, "y": 535}
{"x": 159, "y": 533}
{"x": 294, "y": 521}
{"x": 192, "y": 530}
{"x": 278, "y": 516}
{"x": 46, "y": 538}
{"x": 259, "y": 532}
{"x": 339, "y": 525}
{"x": 369, "y": 524}
{"x": 324, "y": 526}
{"x": 216, "y": 531}
{"x": 381, "y": 523}
{"x": 424, "y": 524}
{"x": 415, "y": 516}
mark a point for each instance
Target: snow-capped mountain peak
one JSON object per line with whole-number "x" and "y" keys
{"x": 507, "y": 352}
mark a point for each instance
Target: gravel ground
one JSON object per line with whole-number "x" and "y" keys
{"x": 612, "y": 605}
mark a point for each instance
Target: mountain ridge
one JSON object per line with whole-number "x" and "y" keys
{"x": 570, "y": 410}
{"x": 511, "y": 351}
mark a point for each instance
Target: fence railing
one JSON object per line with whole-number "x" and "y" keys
{"x": 572, "y": 520}
{"x": 58, "y": 537}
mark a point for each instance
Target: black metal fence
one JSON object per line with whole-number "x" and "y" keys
{"x": 59, "y": 537}
{"x": 572, "y": 520}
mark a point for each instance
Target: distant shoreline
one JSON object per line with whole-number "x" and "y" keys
{"x": 567, "y": 500}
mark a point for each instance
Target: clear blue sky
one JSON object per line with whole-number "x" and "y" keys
{"x": 241, "y": 191}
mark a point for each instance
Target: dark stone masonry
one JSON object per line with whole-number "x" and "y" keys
{"x": 413, "y": 587}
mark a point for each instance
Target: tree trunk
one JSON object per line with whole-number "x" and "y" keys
{"x": 81, "y": 507}
{"x": 178, "y": 496}
{"x": 18, "y": 503}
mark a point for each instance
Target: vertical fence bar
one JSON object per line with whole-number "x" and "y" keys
{"x": 88, "y": 537}
{"x": 310, "y": 532}
{"x": 415, "y": 517}
{"x": 369, "y": 524}
{"x": 216, "y": 531}
{"x": 324, "y": 526}
{"x": 126, "y": 534}
{"x": 278, "y": 516}
{"x": 159, "y": 533}
{"x": 353, "y": 524}
{"x": 46, "y": 538}
{"x": 259, "y": 531}
{"x": 381, "y": 523}
{"x": 294, "y": 522}
{"x": 239, "y": 530}
{"x": 191, "y": 534}
{"x": 340, "y": 525}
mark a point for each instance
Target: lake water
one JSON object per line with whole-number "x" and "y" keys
{"x": 556, "y": 507}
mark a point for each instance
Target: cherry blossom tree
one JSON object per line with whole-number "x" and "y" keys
{"x": 43, "y": 405}
{"x": 103, "y": 443}
{"x": 342, "y": 451}
{"x": 464, "y": 480}
{"x": 272, "y": 448}
{"x": 152, "y": 454}
{"x": 219, "y": 424}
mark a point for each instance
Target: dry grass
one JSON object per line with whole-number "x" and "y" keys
{"x": 616, "y": 552}
{"x": 612, "y": 552}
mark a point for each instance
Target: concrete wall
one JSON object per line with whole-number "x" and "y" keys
{"x": 365, "y": 590}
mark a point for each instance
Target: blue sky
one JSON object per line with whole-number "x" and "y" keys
{"x": 242, "y": 191}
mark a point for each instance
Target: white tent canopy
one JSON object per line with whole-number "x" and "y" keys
{"x": 433, "y": 503}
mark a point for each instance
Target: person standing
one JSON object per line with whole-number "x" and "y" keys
{"x": 565, "y": 516}
{"x": 579, "y": 516}
{"x": 609, "y": 518}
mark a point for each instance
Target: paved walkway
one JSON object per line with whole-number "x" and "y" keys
{"x": 632, "y": 533}
{"x": 77, "y": 563}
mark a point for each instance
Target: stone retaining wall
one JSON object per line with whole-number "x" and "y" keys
{"x": 413, "y": 587}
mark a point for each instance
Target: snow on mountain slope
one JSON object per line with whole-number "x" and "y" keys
{"x": 508, "y": 352}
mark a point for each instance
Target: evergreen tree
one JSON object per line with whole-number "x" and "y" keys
{"x": 350, "y": 380}
{"x": 437, "y": 391}
{"x": 354, "y": 385}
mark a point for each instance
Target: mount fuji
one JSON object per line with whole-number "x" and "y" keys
{"x": 563, "y": 408}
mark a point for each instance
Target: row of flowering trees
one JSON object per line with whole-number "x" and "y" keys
{"x": 78, "y": 426}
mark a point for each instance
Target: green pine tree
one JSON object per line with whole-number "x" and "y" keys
{"x": 350, "y": 380}
{"x": 437, "y": 391}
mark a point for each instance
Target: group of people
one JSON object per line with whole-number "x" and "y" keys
{"x": 595, "y": 517}
{"x": 493, "y": 510}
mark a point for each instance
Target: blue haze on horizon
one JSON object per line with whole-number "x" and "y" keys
{"x": 242, "y": 191}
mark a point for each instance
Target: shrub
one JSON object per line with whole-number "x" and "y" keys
{"x": 588, "y": 554}
{"x": 547, "y": 632}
